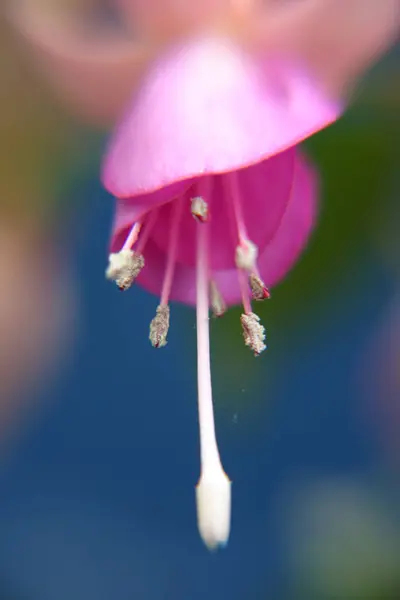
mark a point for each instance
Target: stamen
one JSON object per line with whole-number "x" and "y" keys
{"x": 159, "y": 327}
{"x": 160, "y": 324}
{"x": 246, "y": 262}
{"x": 237, "y": 209}
{"x": 147, "y": 228}
{"x": 213, "y": 492}
{"x": 199, "y": 209}
{"x": 246, "y": 255}
{"x": 244, "y": 290}
{"x": 253, "y": 332}
{"x": 132, "y": 236}
{"x": 238, "y": 232}
{"x": 218, "y": 305}
{"x": 259, "y": 290}
{"x": 124, "y": 267}
{"x": 172, "y": 249}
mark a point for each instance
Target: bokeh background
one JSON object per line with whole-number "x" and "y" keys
{"x": 98, "y": 432}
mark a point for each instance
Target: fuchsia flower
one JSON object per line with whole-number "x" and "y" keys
{"x": 214, "y": 203}
{"x": 214, "y": 200}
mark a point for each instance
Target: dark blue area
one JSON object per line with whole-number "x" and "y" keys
{"x": 99, "y": 502}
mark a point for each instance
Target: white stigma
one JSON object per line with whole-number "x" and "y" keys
{"x": 253, "y": 332}
{"x": 124, "y": 267}
{"x": 213, "y": 499}
{"x": 246, "y": 256}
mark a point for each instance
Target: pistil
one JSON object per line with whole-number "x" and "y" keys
{"x": 213, "y": 492}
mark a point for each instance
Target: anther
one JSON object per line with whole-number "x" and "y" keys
{"x": 159, "y": 327}
{"x": 124, "y": 267}
{"x": 246, "y": 255}
{"x": 259, "y": 290}
{"x": 218, "y": 305}
{"x": 199, "y": 209}
{"x": 253, "y": 332}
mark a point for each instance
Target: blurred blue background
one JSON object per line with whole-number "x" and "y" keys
{"x": 99, "y": 431}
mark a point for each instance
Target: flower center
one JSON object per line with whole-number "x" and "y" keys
{"x": 126, "y": 265}
{"x": 213, "y": 490}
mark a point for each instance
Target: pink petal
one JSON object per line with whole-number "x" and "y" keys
{"x": 208, "y": 107}
{"x": 93, "y": 74}
{"x": 264, "y": 192}
{"x": 296, "y": 226}
{"x": 165, "y": 19}
{"x": 264, "y": 189}
{"x": 337, "y": 39}
{"x": 279, "y": 225}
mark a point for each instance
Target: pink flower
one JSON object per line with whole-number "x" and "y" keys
{"x": 214, "y": 204}
{"x": 208, "y": 110}
{"x": 95, "y": 68}
{"x": 214, "y": 201}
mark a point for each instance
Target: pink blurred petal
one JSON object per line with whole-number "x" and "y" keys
{"x": 165, "y": 19}
{"x": 337, "y": 39}
{"x": 208, "y": 107}
{"x": 94, "y": 75}
{"x": 37, "y": 316}
{"x": 279, "y": 221}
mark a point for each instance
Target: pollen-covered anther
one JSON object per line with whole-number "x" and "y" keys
{"x": 159, "y": 327}
{"x": 253, "y": 332}
{"x": 124, "y": 267}
{"x": 246, "y": 255}
{"x": 217, "y": 302}
{"x": 199, "y": 209}
{"x": 259, "y": 290}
